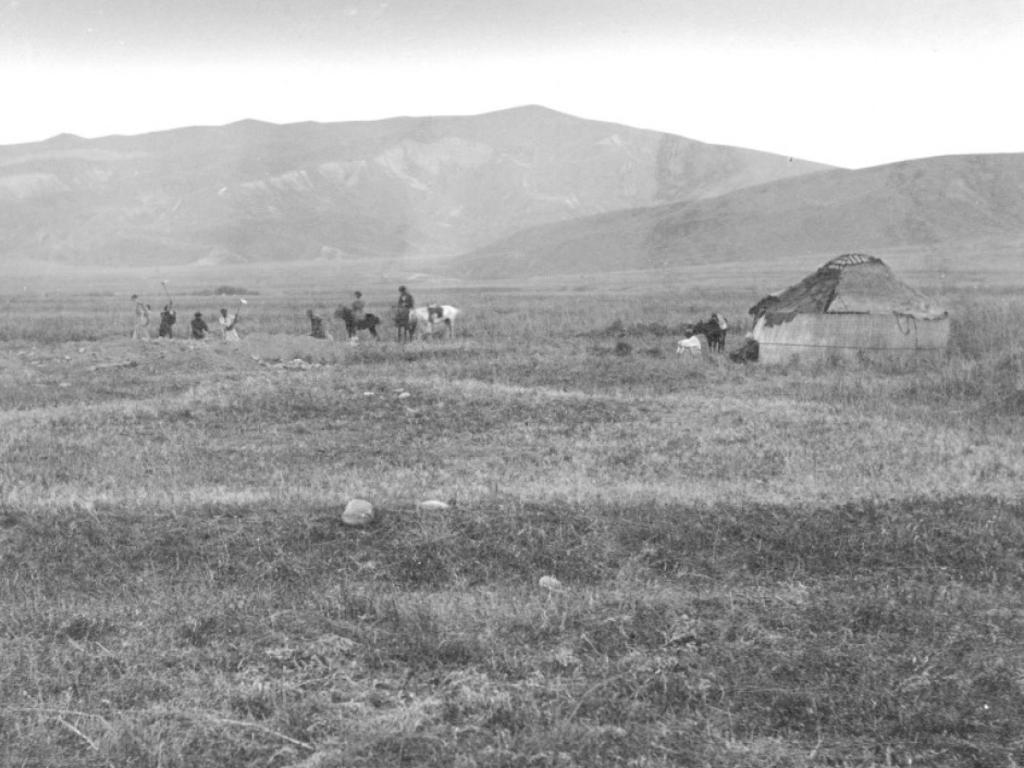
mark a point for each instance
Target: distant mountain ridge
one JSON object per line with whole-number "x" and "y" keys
{"x": 254, "y": 191}
{"x": 942, "y": 205}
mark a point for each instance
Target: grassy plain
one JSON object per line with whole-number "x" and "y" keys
{"x": 793, "y": 566}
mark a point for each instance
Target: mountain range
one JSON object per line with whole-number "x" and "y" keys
{"x": 942, "y": 207}
{"x": 506, "y": 194}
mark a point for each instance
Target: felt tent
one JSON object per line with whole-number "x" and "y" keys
{"x": 851, "y": 306}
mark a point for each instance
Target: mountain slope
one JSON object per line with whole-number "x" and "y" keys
{"x": 434, "y": 185}
{"x": 936, "y": 203}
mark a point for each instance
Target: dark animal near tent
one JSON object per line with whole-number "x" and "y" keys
{"x": 369, "y": 322}
{"x": 405, "y": 322}
{"x": 713, "y": 332}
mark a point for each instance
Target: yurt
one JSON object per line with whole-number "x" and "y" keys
{"x": 852, "y": 306}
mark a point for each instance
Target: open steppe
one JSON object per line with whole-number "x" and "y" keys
{"x": 809, "y": 565}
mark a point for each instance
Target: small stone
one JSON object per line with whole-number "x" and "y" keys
{"x": 550, "y": 583}
{"x": 433, "y": 504}
{"x": 357, "y": 512}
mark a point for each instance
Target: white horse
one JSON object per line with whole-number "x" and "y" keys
{"x": 689, "y": 346}
{"x": 436, "y": 319}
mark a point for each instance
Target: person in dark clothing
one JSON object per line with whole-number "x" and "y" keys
{"x": 405, "y": 300}
{"x": 199, "y": 326}
{"x": 316, "y": 323}
{"x": 167, "y": 319}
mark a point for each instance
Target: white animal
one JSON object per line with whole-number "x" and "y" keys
{"x": 429, "y": 324}
{"x": 689, "y": 346}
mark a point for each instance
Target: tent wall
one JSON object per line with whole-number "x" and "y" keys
{"x": 825, "y": 336}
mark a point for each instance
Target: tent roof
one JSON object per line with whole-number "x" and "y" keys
{"x": 851, "y": 283}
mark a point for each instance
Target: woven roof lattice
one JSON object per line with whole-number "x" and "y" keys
{"x": 851, "y": 259}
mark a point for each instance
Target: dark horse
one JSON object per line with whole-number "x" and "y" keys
{"x": 713, "y": 332}
{"x": 405, "y": 322}
{"x": 353, "y": 326}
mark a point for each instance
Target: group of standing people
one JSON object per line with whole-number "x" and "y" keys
{"x": 198, "y": 328}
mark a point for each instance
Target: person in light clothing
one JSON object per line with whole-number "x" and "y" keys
{"x": 358, "y": 307}
{"x": 227, "y": 325}
{"x": 141, "y": 327}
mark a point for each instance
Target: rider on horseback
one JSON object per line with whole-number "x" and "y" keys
{"x": 358, "y": 307}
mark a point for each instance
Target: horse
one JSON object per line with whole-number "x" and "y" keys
{"x": 688, "y": 346}
{"x": 405, "y": 322}
{"x": 713, "y": 331}
{"x": 436, "y": 318}
{"x": 369, "y": 322}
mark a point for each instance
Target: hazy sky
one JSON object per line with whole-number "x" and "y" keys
{"x": 849, "y": 82}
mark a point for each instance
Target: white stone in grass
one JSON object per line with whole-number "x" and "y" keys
{"x": 550, "y": 583}
{"x": 357, "y": 512}
{"x": 431, "y": 505}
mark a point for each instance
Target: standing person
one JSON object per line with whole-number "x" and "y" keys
{"x": 167, "y": 318}
{"x": 199, "y": 326}
{"x": 405, "y": 300}
{"x": 139, "y": 331}
{"x": 358, "y": 307}
{"x": 317, "y": 328}
{"x": 404, "y": 320}
{"x": 227, "y": 325}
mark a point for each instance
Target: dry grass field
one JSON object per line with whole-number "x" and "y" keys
{"x": 759, "y": 566}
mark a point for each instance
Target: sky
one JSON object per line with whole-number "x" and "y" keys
{"x": 853, "y": 83}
